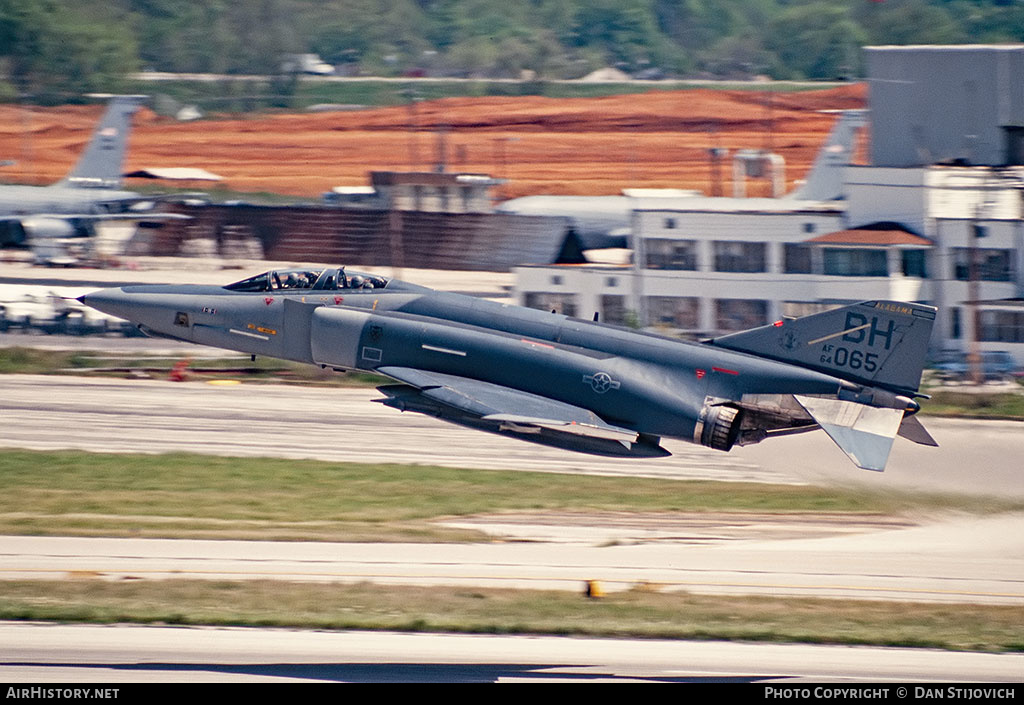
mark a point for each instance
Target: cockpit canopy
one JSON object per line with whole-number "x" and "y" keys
{"x": 330, "y": 279}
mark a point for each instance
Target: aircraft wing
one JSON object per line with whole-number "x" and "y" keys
{"x": 503, "y": 409}
{"x": 493, "y": 402}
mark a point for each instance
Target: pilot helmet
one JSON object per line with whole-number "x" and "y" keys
{"x": 355, "y": 282}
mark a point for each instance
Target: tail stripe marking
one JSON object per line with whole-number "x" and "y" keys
{"x": 836, "y": 335}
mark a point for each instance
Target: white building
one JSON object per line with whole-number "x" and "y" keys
{"x": 957, "y": 208}
{"x": 712, "y": 265}
{"x": 729, "y": 264}
{"x": 706, "y": 272}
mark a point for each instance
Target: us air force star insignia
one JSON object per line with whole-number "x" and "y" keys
{"x": 601, "y": 382}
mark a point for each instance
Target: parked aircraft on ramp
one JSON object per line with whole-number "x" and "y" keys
{"x": 606, "y": 221}
{"x": 565, "y": 382}
{"x": 47, "y": 218}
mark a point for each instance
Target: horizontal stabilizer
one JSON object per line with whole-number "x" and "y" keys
{"x": 912, "y": 430}
{"x": 864, "y": 433}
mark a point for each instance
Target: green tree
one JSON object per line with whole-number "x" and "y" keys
{"x": 53, "y": 48}
{"x": 910, "y": 22}
{"x": 368, "y": 31}
{"x": 625, "y": 31}
{"x": 817, "y": 40}
{"x": 185, "y": 36}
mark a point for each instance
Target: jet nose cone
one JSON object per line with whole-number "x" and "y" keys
{"x": 110, "y": 301}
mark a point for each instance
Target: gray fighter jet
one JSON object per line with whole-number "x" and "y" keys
{"x": 566, "y": 382}
{"x": 42, "y": 217}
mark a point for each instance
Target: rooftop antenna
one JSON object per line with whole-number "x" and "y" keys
{"x": 442, "y": 149}
{"x": 717, "y": 155}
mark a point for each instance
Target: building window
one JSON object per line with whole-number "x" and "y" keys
{"x": 809, "y": 228}
{"x": 955, "y": 324}
{"x": 796, "y": 258}
{"x": 746, "y": 257}
{"x": 914, "y": 264}
{"x": 1002, "y": 326}
{"x": 855, "y": 262}
{"x": 1014, "y": 141}
{"x": 670, "y": 223}
{"x": 740, "y": 314}
{"x": 613, "y": 309}
{"x": 546, "y": 301}
{"x": 671, "y": 254}
{"x": 674, "y": 311}
{"x": 556, "y": 280}
{"x": 993, "y": 265}
{"x": 611, "y": 282}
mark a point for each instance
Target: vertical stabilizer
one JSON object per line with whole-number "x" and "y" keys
{"x": 101, "y": 162}
{"x": 877, "y": 343}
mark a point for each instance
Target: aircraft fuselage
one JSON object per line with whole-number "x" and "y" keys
{"x": 540, "y": 376}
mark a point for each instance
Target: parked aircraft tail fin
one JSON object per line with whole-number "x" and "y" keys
{"x": 877, "y": 343}
{"x": 825, "y": 181}
{"x": 101, "y": 162}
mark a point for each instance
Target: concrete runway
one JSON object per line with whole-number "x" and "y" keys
{"x": 51, "y": 653}
{"x": 966, "y": 560}
{"x": 116, "y": 415}
{"x": 49, "y": 412}
{"x": 958, "y": 559}
{"x": 144, "y": 416}
{"x": 952, "y": 559}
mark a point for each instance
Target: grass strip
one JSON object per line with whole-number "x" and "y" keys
{"x": 635, "y": 613}
{"x": 181, "y": 495}
{"x": 1004, "y": 405}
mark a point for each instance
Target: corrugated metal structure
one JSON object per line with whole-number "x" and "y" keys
{"x": 946, "y": 104}
{"x": 429, "y": 240}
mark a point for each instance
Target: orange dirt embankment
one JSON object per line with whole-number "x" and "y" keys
{"x": 584, "y": 146}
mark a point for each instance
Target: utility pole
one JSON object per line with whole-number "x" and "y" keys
{"x": 976, "y": 230}
{"x": 974, "y": 347}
